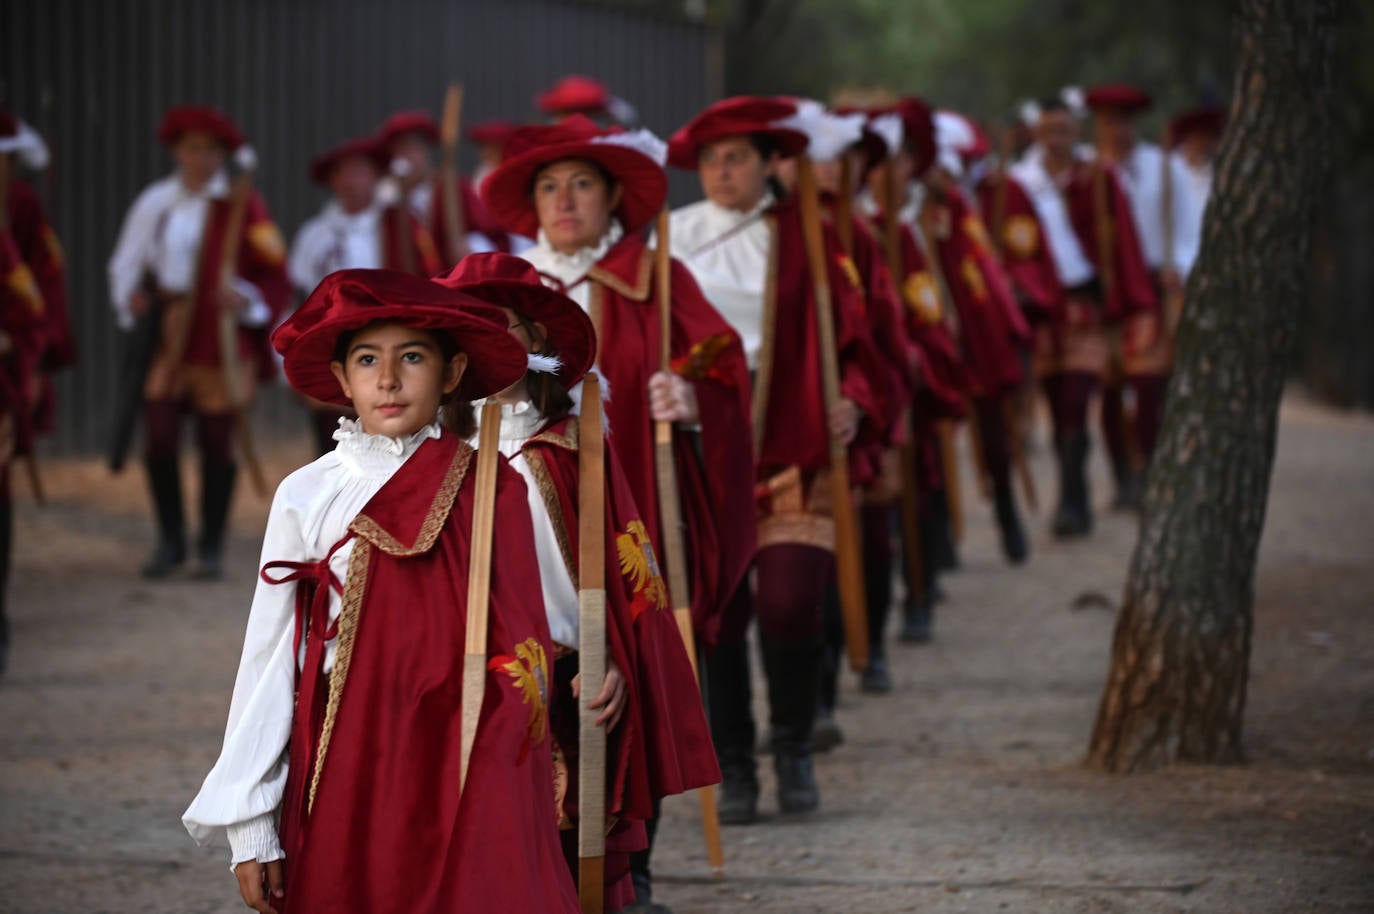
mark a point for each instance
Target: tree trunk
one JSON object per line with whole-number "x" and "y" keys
{"x": 1181, "y": 653}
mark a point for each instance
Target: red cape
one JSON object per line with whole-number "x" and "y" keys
{"x": 1021, "y": 239}
{"x": 23, "y": 319}
{"x": 1131, "y": 290}
{"x": 40, "y": 249}
{"x": 387, "y": 830}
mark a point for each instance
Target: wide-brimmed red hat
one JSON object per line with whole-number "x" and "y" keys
{"x": 184, "y": 119}
{"x": 1203, "y": 119}
{"x": 743, "y": 115}
{"x": 494, "y": 132}
{"x": 507, "y": 190}
{"x": 403, "y": 122}
{"x": 512, "y": 282}
{"x": 364, "y": 147}
{"x": 1117, "y": 97}
{"x": 351, "y": 299}
{"x": 918, "y": 130}
{"x": 574, "y": 95}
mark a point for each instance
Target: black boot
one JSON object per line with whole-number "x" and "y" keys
{"x": 1129, "y": 486}
{"x": 826, "y": 734}
{"x": 1014, "y": 545}
{"x": 6, "y": 522}
{"x": 729, "y": 702}
{"x": 164, "y": 482}
{"x": 1074, "y": 515}
{"x": 793, "y": 671}
{"x": 941, "y": 547}
{"x": 875, "y": 679}
{"x": 918, "y": 616}
{"x": 216, "y": 494}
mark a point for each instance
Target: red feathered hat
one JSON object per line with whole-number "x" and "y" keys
{"x": 1117, "y": 97}
{"x": 351, "y": 299}
{"x": 507, "y": 190}
{"x": 492, "y": 133}
{"x": 574, "y": 95}
{"x": 366, "y": 147}
{"x": 918, "y": 130}
{"x": 187, "y": 118}
{"x": 742, "y": 115}
{"x": 512, "y": 282}
{"x": 403, "y": 122}
{"x": 1205, "y": 119}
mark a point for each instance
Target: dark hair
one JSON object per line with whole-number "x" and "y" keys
{"x": 547, "y": 393}
{"x": 765, "y": 145}
{"x": 1053, "y": 103}
{"x": 611, "y": 181}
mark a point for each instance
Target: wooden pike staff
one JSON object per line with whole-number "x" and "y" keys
{"x": 848, "y": 558}
{"x": 670, "y": 512}
{"x": 479, "y": 588}
{"x": 230, "y": 366}
{"x": 452, "y": 200}
{"x": 591, "y": 648}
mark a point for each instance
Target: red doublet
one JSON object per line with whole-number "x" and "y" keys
{"x": 1011, "y": 217}
{"x": 372, "y": 818}
{"x": 716, "y": 486}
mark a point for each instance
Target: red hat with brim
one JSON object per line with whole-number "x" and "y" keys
{"x": 366, "y": 147}
{"x": 403, "y": 122}
{"x": 350, "y": 300}
{"x": 492, "y": 133}
{"x": 1117, "y": 97}
{"x": 918, "y": 130}
{"x": 185, "y": 119}
{"x": 575, "y": 95}
{"x": 1207, "y": 119}
{"x": 512, "y": 282}
{"x": 508, "y": 190}
{"x": 739, "y": 116}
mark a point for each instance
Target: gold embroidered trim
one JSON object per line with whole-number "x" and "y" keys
{"x": 435, "y": 518}
{"x": 550, "y": 495}
{"x": 640, "y": 290}
{"x": 566, "y": 441}
{"x": 355, "y": 587}
{"x": 764, "y": 375}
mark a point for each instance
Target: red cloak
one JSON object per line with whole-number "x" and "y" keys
{"x": 372, "y": 819}
{"x": 24, "y": 320}
{"x": 40, "y": 249}
{"x": 407, "y": 244}
{"x": 1131, "y": 290}
{"x": 1009, "y": 213}
{"x": 476, "y": 218}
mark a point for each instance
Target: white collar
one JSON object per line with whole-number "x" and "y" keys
{"x": 569, "y": 268}
{"x": 377, "y": 455}
{"x": 727, "y": 218}
{"x": 519, "y": 421}
{"x": 215, "y": 188}
{"x": 334, "y": 212}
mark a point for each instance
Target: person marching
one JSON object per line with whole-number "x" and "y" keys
{"x": 174, "y": 263}
{"x": 1168, "y": 223}
{"x": 661, "y": 743}
{"x": 343, "y": 783}
{"x": 354, "y": 230}
{"x": 745, "y": 246}
{"x": 1107, "y": 292}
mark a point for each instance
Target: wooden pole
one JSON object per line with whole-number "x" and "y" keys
{"x": 670, "y": 514}
{"x": 848, "y": 557}
{"x": 591, "y": 649}
{"x": 479, "y": 587}
{"x": 452, "y": 200}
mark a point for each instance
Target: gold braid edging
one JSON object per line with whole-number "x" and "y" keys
{"x": 551, "y": 504}
{"x": 435, "y": 518}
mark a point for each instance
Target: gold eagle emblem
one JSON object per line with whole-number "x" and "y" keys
{"x": 639, "y": 566}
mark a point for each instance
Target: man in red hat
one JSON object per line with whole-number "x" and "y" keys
{"x": 170, "y": 264}
{"x": 1109, "y": 303}
{"x": 1194, "y": 136}
{"x": 588, "y": 97}
{"x": 1168, "y": 222}
{"x": 744, "y": 244}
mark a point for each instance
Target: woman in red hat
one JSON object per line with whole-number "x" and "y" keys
{"x": 344, "y": 722}
{"x": 660, "y": 742}
{"x": 744, "y": 245}
{"x": 168, "y": 264}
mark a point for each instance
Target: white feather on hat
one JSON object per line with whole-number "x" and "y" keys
{"x": 828, "y": 134}
{"x": 642, "y": 141}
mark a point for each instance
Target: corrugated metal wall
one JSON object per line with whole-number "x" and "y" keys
{"x": 93, "y": 76}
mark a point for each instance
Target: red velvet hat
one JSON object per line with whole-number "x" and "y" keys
{"x": 742, "y": 115}
{"x": 574, "y": 95}
{"x": 507, "y": 190}
{"x": 186, "y": 118}
{"x": 1117, "y": 97}
{"x": 403, "y": 122}
{"x": 918, "y": 130}
{"x": 512, "y": 282}
{"x": 367, "y": 147}
{"x": 351, "y": 299}
{"x": 492, "y": 133}
{"x": 1204, "y": 119}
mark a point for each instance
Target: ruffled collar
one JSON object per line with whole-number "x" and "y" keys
{"x": 377, "y": 455}
{"x": 569, "y": 268}
{"x": 519, "y": 421}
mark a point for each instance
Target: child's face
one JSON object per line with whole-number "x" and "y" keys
{"x": 396, "y": 375}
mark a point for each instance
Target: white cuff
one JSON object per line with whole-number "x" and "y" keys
{"x": 257, "y": 314}
{"x": 255, "y": 839}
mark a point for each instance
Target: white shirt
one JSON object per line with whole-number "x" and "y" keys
{"x": 162, "y": 234}
{"x": 335, "y": 240}
{"x": 1142, "y": 178}
{"x": 728, "y": 252}
{"x": 569, "y": 269}
{"x": 519, "y": 423}
{"x": 310, "y": 513}
{"x": 1070, "y": 261}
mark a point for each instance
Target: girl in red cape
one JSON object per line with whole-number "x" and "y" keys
{"x": 659, "y": 742}
{"x": 337, "y": 787}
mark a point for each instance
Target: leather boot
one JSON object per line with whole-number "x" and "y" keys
{"x": 875, "y": 679}
{"x": 164, "y": 482}
{"x": 793, "y": 670}
{"x": 1014, "y": 545}
{"x": 216, "y": 494}
{"x": 918, "y": 617}
{"x": 941, "y": 547}
{"x": 1074, "y": 515}
{"x": 729, "y": 703}
{"x": 826, "y": 734}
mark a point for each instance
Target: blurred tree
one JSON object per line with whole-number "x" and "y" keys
{"x": 1180, "y": 658}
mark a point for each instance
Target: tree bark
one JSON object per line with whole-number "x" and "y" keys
{"x": 1180, "y": 657}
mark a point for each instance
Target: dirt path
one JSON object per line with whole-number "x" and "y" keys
{"x": 960, "y": 792}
